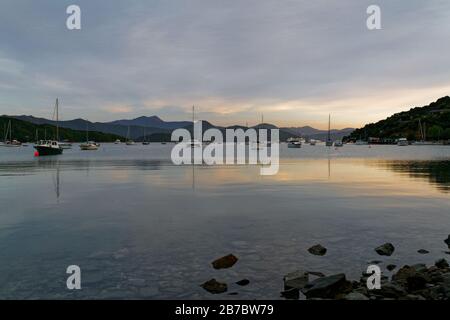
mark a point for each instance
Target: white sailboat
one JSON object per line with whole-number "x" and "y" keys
{"x": 294, "y": 143}
{"x": 338, "y": 143}
{"x": 402, "y": 142}
{"x": 144, "y": 141}
{"x": 329, "y": 142}
{"x": 423, "y": 137}
{"x": 10, "y": 143}
{"x": 129, "y": 142}
{"x": 89, "y": 145}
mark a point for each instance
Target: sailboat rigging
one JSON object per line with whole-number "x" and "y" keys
{"x": 50, "y": 147}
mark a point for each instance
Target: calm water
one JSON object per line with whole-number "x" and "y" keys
{"x": 140, "y": 227}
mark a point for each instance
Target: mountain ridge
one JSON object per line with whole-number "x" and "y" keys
{"x": 151, "y": 125}
{"x": 434, "y": 118}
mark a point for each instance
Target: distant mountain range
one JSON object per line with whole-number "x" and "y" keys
{"x": 431, "y": 121}
{"x": 26, "y": 131}
{"x": 317, "y": 134}
{"x": 154, "y": 127}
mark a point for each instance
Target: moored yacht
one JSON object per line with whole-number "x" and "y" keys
{"x": 402, "y": 142}
{"x": 50, "y": 147}
{"x": 11, "y": 142}
{"x": 129, "y": 142}
{"x": 338, "y": 144}
{"x": 89, "y": 145}
{"x": 329, "y": 142}
{"x": 294, "y": 143}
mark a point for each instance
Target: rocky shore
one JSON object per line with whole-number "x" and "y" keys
{"x": 410, "y": 282}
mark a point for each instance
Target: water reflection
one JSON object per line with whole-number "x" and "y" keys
{"x": 437, "y": 173}
{"x": 141, "y": 227}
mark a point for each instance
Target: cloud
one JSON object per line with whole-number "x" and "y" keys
{"x": 117, "y": 109}
{"x": 295, "y": 61}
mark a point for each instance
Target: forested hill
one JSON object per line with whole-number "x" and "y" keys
{"x": 434, "y": 119}
{"x": 26, "y": 132}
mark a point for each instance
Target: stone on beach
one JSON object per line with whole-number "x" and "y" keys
{"x": 316, "y": 273}
{"x": 225, "y": 262}
{"x": 386, "y": 249}
{"x": 243, "y": 282}
{"x": 296, "y": 280}
{"x": 291, "y": 294}
{"x": 420, "y": 267}
{"x": 318, "y": 250}
{"x": 215, "y": 287}
{"x": 330, "y": 287}
{"x": 447, "y": 241}
{"x": 391, "y": 267}
{"x": 441, "y": 264}
{"x": 355, "y": 296}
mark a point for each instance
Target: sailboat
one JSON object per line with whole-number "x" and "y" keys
{"x": 89, "y": 145}
{"x": 50, "y": 147}
{"x": 10, "y": 142}
{"x": 145, "y": 142}
{"x": 194, "y": 142}
{"x": 423, "y": 136}
{"x": 129, "y": 142}
{"x": 294, "y": 143}
{"x": 329, "y": 142}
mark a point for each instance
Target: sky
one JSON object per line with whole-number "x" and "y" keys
{"x": 292, "y": 61}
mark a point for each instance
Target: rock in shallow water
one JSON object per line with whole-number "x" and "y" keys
{"x": 316, "y": 273}
{"x": 225, "y": 262}
{"x": 215, "y": 287}
{"x": 423, "y": 251}
{"x": 243, "y": 282}
{"x": 291, "y": 294}
{"x": 441, "y": 264}
{"x": 318, "y": 250}
{"x": 296, "y": 280}
{"x": 328, "y": 287}
{"x": 447, "y": 241}
{"x": 391, "y": 267}
{"x": 356, "y": 296}
{"x": 386, "y": 249}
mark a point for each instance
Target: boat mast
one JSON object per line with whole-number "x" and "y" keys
{"x": 57, "y": 120}
{"x": 424, "y": 132}
{"x": 329, "y": 127}
{"x": 8, "y": 131}
{"x": 87, "y": 132}
{"x": 421, "y": 131}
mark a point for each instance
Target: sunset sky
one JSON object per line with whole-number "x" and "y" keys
{"x": 294, "y": 61}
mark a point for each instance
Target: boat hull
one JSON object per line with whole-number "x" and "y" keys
{"x": 89, "y": 148}
{"x": 48, "y": 151}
